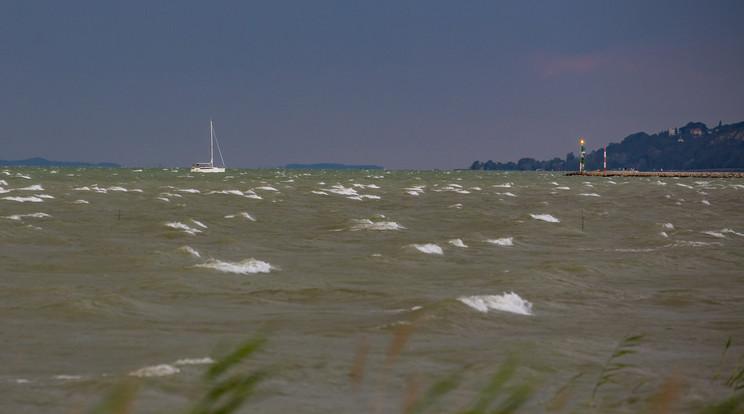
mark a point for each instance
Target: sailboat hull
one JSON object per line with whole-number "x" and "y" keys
{"x": 207, "y": 169}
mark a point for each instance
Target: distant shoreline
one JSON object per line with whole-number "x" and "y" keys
{"x": 43, "y": 162}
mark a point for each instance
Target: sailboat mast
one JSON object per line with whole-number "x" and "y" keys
{"x": 211, "y": 144}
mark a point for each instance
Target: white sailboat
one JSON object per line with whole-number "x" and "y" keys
{"x": 208, "y": 167}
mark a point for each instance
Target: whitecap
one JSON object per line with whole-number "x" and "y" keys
{"x": 428, "y": 248}
{"x": 267, "y": 188}
{"x": 180, "y": 226}
{"x": 35, "y": 187}
{"x": 341, "y": 190}
{"x": 319, "y": 192}
{"x": 163, "y": 199}
{"x": 199, "y": 223}
{"x": 366, "y": 224}
{"x": 732, "y": 232}
{"x": 194, "y": 361}
{"x": 19, "y": 217}
{"x": 684, "y": 185}
{"x": 43, "y": 195}
{"x": 190, "y": 250}
{"x": 244, "y": 267}
{"x": 229, "y": 192}
{"x": 563, "y": 188}
{"x": 117, "y": 188}
{"x": 507, "y": 302}
{"x": 664, "y": 234}
{"x": 189, "y": 190}
{"x": 370, "y": 196}
{"x": 457, "y": 243}
{"x": 668, "y": 226}
{"x": 80, "y": 202}
{"x": 161, "y": 370}
{"x": 715, "y": 234}
{"x": 65, "y": 377}
{"x": 456, "y": 205}
{"x": 24, "y": 199}
{"x": 505, "y": 241}
{"x": 589, "y": 194}
{"x": 706, "y": 202}
{"x": 545, "y": 217}
{"x": 84, "y": 188}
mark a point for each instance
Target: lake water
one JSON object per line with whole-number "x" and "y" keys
{"x": 112, "y": 274}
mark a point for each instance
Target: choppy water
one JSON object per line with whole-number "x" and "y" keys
{"x": 105, "y": 274}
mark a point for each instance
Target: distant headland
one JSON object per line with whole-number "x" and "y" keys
{"x": 43, "y": 162}
{"x": 332, "y": 166}
{"x": 691, "y": 147}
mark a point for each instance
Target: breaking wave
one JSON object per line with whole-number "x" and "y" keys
{"x": 505, "y": 241}
{"x": 428, "y": 248}
{"x": 161, "y": 370}
{"x": 507, "y": 302}
{"x": 545, "y": 217}
{"x": 245, "y": 267}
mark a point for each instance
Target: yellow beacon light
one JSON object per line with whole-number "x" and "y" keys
{"x": 581, "y": 141}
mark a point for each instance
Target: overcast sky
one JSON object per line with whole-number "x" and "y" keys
{"x": 404, "y": 84}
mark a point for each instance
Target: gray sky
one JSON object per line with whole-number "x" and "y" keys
{"x": 404, "y": 84}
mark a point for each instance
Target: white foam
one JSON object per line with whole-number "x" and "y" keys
{"x": 267, "y": 188}
{"x": 31, "y": 199}
{"x": 589, "y": 194}
{"x": 3, "y": 182}
{"x": 84, "y": 188}
{"x": 370, "y": 196}
{"x": 715, "y": 234}
{"x": 664, "y": 234}
{"x": 189, "y": 190}
{"x": 80, "y": 202}
{"x": 161, "y": 370}
{"x": 35, "y": 187}
{"x": 319, "y": 192}
{"x": 668, "y": 226}
{"x": 428, "y": 248}
{"x": 43, "y": 195}
{"x": 190, "y": 250}
{"x": 732, "y": 232}
{"x": 19, "y": 217}
{"x": 65, "y": 377}
{"x": 341, "y": 190}
{"x": 505, "y": 241}
{"x": 457, "y": 243}
{"x": 163, "y": 199}
{"x": 545, "y": 217}
{"x": 507, "y": 302}
{"x": 194, "y": 361}
{"x": 180, "y": 226}
{"x": 684, "y": 185}
{"x": 117, "y": 188}
{"x": 563, "y": 188}
{"x": 456, "y": 205}
{"x": 706, "y": 202}
{"x": 366, "y": 224}
{"x": 244, "y": 267}
{"x": 199, "y": 223}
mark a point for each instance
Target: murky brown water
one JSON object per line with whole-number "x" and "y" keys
{"x": 126, "y": 270}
